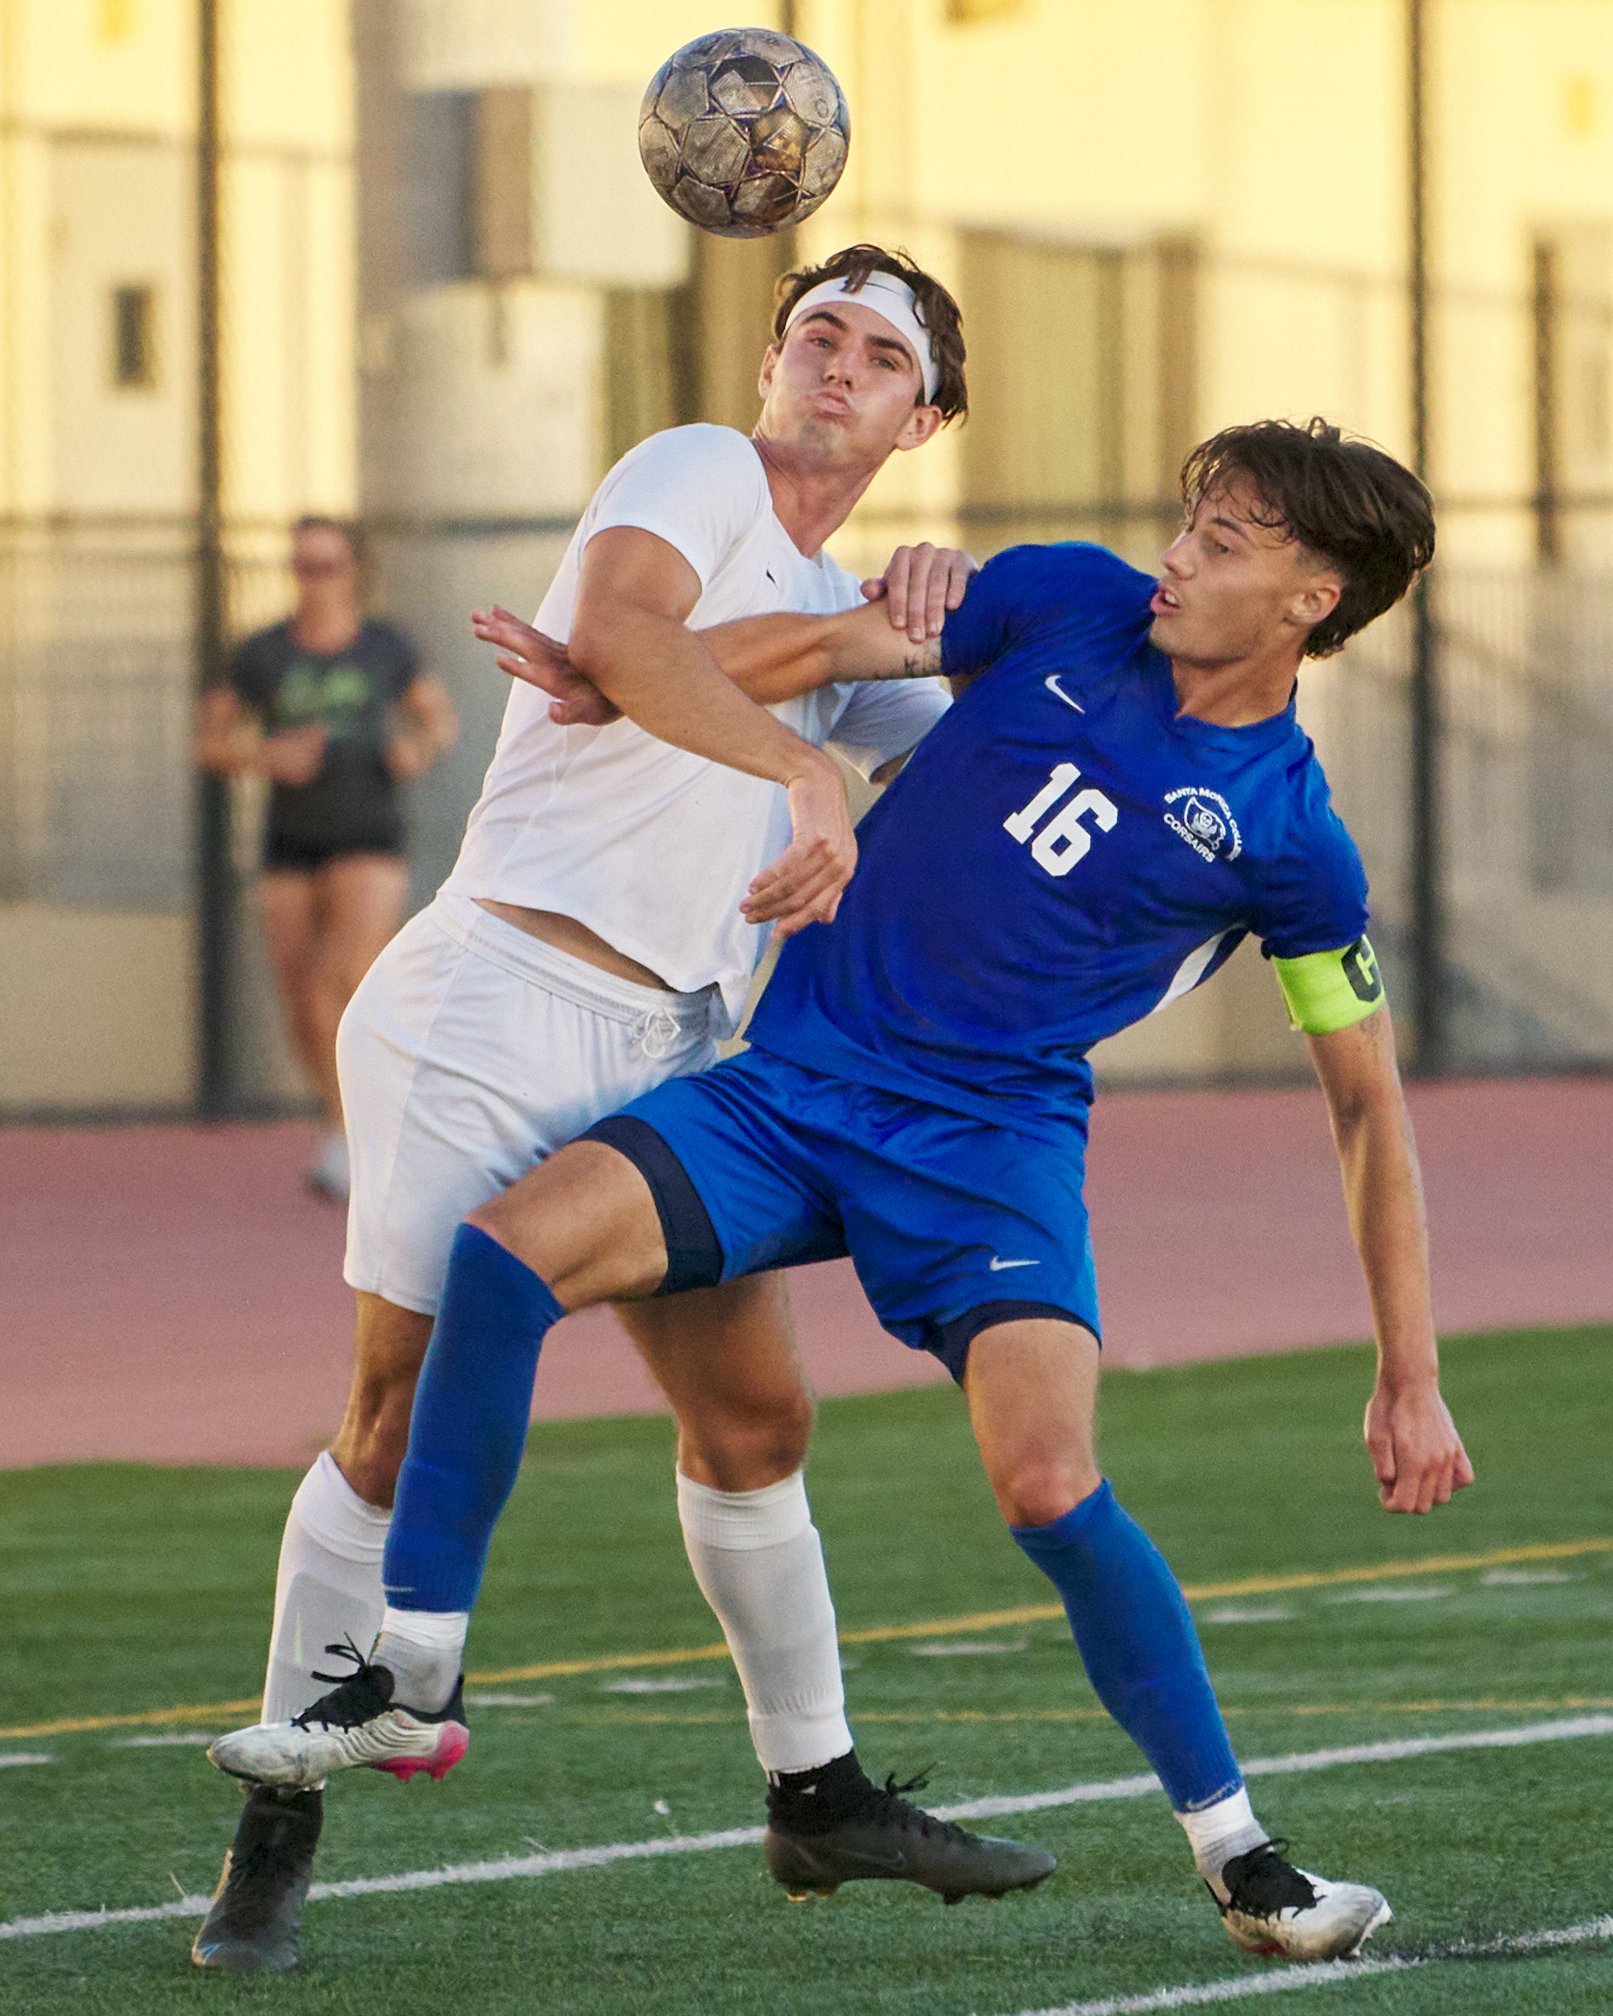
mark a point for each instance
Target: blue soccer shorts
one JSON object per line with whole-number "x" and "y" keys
{"x": 953, "y": 1223}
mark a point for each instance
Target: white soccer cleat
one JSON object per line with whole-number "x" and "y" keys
{"x": 357, "y": 1723}
{"x": 1274, "y": 1909}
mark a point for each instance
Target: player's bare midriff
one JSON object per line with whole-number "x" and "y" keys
{"x": 565, "y": 934}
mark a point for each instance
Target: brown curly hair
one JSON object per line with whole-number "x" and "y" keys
{"x": 1346, "y": 500}
{"x": 936, "y": 310}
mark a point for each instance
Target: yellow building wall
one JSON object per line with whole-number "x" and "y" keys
{"x": 288, "y": 77}
{"x": 1270, "y": 131}
{"x": 97, "y": 1007}
{"x": 1526, "y": 135}
{"x": 25, "y": 357}
{"x": 124, "y": 64}
{"x": 288, "y": 279}
{"x": 1275, "y": 133}
{"x": 98, "y": 174}
{"x": 123, "y": 73}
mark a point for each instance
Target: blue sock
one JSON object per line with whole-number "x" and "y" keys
{"x": 1136, "y": 1638}
{"x": 468, "y": 1429}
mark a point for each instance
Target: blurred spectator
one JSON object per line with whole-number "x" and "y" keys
{"x": 331, "y": 706}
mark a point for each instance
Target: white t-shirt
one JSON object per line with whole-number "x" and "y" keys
{"x": 649, "y": 846}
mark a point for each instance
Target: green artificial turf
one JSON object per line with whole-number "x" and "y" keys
{"x": 127, "y": 1590}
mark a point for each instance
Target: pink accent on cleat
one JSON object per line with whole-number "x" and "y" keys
{"x": 452, "y": 1744}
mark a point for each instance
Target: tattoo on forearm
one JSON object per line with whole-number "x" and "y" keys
{"x": 919, "y": 661}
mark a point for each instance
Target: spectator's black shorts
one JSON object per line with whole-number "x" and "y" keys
{"x": 283, "y": 855}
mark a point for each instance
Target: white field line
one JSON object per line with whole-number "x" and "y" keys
{"x": 553, "y": 1862}
{"x": 968, "y": 1648}
{"x": 1566, "y": 1731}
{"x": 649, "y": 1685}
{"x": 1248, "y": 1613}
{"x": 1331, "y": 1973}
{"x": 15, "y": 1757}
{"x": 504, "y": 1869}
{"x": 1415, "y": 1592}
{"x": 173, "y": 1739}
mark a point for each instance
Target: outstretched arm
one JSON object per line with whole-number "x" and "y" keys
{"x": 770, "y": 658}
{"x": 777, "y": 657}
{"x": 1415, "y": 1449}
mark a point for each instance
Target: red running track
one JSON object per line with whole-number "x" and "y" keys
{"x": 171, "y": 1294}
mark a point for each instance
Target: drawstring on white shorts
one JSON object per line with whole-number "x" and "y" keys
{"x": 655, "y": 1033}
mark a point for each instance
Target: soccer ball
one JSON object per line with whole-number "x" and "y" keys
{"x": 743, "y": 132}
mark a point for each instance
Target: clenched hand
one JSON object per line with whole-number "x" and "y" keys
{"x": 1416, "y": 1452}
{"x": 803, "y": 886}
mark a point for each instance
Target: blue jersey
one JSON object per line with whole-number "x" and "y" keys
{"x": 1063, "y": 855}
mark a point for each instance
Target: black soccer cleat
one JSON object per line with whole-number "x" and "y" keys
{"x": 884, "y": 1837}
{"x": 1285, "y": 1913}
{"x": 253, "y": 1923}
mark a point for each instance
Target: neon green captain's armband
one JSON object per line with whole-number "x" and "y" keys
{"x": 1325, "y": 991}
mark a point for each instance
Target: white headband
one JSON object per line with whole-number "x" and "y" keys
{"x": 893, "y": 301}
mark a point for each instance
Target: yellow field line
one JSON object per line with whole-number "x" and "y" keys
{"x": 1393, "y": 1571}
{"x": 883, "y": 1634}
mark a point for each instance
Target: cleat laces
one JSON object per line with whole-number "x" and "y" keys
{"x": 886, "y": 1805}
{"x": 358, "y": 1697}
{"x": 1266, "y": 1884}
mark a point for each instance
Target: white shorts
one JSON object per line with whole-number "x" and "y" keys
{"x": 469, "y": 1053}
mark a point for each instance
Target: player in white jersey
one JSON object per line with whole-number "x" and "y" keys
{"x": 598, "y": 934}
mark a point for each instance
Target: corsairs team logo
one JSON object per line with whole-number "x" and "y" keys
{"x": 1204, "y": 820}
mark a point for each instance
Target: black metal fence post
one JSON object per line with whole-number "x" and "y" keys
{"x": 216, "y": 1078}
{"x": 1430, "y": 1002}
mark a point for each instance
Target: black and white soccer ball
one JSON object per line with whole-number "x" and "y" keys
{"x": 744, "y": 132}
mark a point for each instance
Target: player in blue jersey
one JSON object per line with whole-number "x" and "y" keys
{"x": 1121, "y": 793}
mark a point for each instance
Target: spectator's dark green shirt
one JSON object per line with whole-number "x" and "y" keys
{"x": 353, "y": 799}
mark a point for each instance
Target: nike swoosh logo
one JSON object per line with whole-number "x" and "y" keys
{"x": 997, "y": 1266}
{"x": 1053, "y": 687}
{"x": 896, "y": 1861}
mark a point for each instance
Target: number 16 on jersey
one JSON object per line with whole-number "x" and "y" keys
{"x": 1063, "y": 839}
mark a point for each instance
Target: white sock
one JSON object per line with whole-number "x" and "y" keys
{"x": 424, "y": 1650}
{"x": 1217, "y": 1833}
{"x": 328, "y": 1587}
{"x": 759, "y": 1563}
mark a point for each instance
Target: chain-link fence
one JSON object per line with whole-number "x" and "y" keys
{"x": 95, "y": 679}
{"x": 1526, "y": 770}
{"x": 97, "y": 790}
